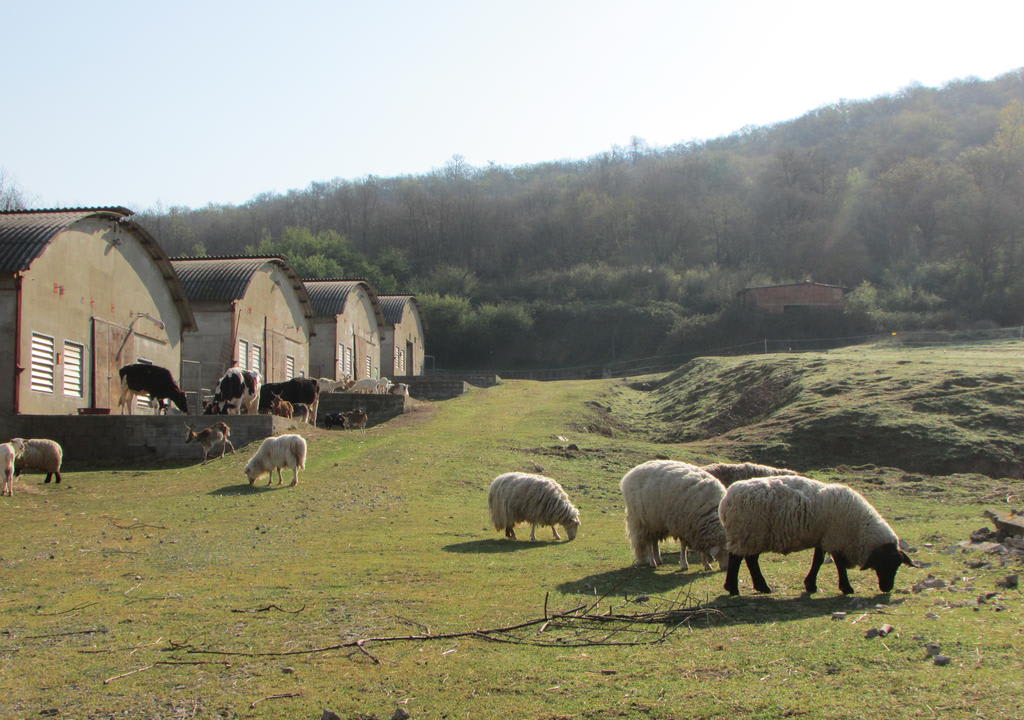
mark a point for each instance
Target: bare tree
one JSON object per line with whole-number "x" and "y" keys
{"x": 11, "y": 197}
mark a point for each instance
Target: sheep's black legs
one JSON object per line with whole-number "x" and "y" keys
{"x": 755, "y": 574}
{"x": 844, "y": 581}
{"x": 811, "y": 581}
{"x": 732, "y": 575}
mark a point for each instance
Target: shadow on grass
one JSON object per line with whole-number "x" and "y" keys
{"x": 246, "y": 489}
{"x": 498, "y": 545}
{"x": 759, "y": 609}
{"x": 631, "y": 581}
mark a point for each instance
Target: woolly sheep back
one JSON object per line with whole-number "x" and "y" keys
{"x": 668, "y": 498}
{"x": 42, "y": 455}
{"x": 728, "y": 473}
{"x": 788, "y": 513}
{"x": 517, "y": 497}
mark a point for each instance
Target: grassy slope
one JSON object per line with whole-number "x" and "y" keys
{"x": 388, "y": 531}
{"x": 934, "y": 411}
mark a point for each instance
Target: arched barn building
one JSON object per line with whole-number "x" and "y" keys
{"x": 83, "y": 291}
{"x": 348, "y": 326}
{"x": 250, "y": 311}
{"x": 402, "y": 350}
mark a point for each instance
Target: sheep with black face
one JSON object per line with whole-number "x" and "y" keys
{"x": 788, "y": 513}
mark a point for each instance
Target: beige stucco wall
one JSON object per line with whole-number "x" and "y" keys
{"x": 95, "y": 274}
{"x": 356, "y": 328}
{"x": 408, "y": 332}
{"x": 269, "y": 315}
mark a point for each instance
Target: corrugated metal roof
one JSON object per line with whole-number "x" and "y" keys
{"x": 223, "y": 279}
{"x": 217, "y": 279}
{"x": 394, "y": 306}
{"x": 24, "y": 234}
{"x": 329, "y": 297}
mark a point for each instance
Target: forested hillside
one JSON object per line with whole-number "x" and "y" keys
{"x": 913, "y": 200}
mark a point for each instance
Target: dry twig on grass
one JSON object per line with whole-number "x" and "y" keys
{"x": 278, "y": 696}
{"x": 579, "y": 627}
{"x": 266, "y": 608}
{"x": 119, "y": 526}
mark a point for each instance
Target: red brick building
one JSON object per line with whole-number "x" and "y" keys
{"x": 784, "y": 298}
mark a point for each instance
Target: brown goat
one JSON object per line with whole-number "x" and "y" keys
{"x": 208, "y": 437}
{"x": 281, "y": 408}
{"x": 356, "y": 418}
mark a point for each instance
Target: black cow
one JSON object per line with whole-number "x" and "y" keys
{"x": 152, "y": 380}
{"x": 296, "y": 390}
{"x": 335, "y": 419}
{"x": 237, "y": 390}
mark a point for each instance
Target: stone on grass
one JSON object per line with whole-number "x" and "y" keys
{"x": 942, "y": 660}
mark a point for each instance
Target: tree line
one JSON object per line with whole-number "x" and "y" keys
{"x": 911, "y": 200}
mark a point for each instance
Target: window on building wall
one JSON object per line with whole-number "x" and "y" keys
{"x": 349, "y": 363}
{"x": 43, "y": 363}
{"x": 340, "y": 370}
{"x": 243, "y": 354}
{"x": 256, "y": 359}
{"x": 289, "y": 367}
{"x": 73, "y": 357}
{"x": 369, "y": 366}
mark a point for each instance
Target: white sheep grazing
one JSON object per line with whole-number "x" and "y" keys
{"x": 9, "y": 452}
{"x": 42, "y": 455}
{"x": 667, "y": 498}
{"x": 517, "y": 497}
{"x": 275, "y": 453}
{"x": 788, "y": 513}
{"x": 728, "y": 473}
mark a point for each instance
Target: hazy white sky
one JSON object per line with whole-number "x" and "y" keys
{"x": 201, "y": 101}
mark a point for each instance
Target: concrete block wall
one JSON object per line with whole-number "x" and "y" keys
{"x": 109, "y": 441}
{"x": 379, "y": 408}
{"x": 433, "y": 387}
{"x": 480, "y": 379}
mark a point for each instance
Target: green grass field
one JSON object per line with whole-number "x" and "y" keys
{"x": 184, "y": 593}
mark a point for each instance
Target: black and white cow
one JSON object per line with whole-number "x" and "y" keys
{"x": 296, "y": 390}
{"x": 152, "y": 380}
{"x": 237, "y": 390}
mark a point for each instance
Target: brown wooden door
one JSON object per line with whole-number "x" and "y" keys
{"x": 113, "y": 347}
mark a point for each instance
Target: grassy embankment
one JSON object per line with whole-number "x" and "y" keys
{"x": 387, "y": 534}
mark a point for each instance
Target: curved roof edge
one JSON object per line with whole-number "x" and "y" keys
{"x": 394, "y": 307}
{"x": 330, "y": 296}
{"x": 25, "y": 234}
{"x": 226, "y": 278}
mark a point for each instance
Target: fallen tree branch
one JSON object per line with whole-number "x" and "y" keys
{"x": 578, "y": 627}
{"x": 268, "y": 607}
{"x": 119, "y": 526}
{"x": 279, "y": 696}
{"x": 62, "y": 634}
{"x": 64, "y": 612}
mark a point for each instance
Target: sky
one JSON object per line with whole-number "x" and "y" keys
{"x": 153, "y": 105}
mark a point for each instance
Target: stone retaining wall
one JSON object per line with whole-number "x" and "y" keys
{"x": 109, "y": 441}
{"x": 380, "y": 408}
